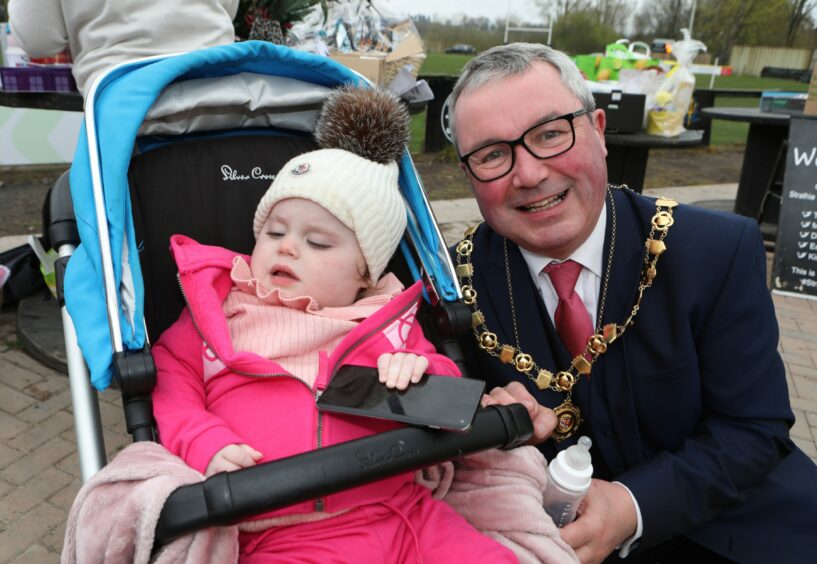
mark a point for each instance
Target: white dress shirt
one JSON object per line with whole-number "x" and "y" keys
{"x": 591, "y": 256}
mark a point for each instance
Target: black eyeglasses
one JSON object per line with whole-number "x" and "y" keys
{"x": 544, "y": 140}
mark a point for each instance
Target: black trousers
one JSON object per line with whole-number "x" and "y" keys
{"x": 674, "y": 551}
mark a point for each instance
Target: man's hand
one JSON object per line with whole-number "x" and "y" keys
{"x": 607, "y": 518}
{"x": 544, "y": 419}
{"x": 398, "y": 370}
{"x": 232, "y": 457}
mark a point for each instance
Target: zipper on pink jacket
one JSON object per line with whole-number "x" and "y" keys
{"x": 320, "y": 503}
{"x": 369, "y": 334}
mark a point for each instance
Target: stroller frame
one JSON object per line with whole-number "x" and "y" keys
{"x": 101, "y": 215}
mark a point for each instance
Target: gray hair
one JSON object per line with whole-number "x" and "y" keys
{"x": 503, "y": 61}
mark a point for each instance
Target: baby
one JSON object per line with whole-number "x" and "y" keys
{"x": 240, "y": 371}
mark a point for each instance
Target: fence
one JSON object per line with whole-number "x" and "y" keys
{"x": 748, "y": 60}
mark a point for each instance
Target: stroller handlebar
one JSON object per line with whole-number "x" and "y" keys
{"x": 229, "y": 497}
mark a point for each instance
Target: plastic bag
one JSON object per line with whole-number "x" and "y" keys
{"x": 349, "y": 25}
{"x": 669, "y": 103}
{"x": 364, "y": 37}
{"x": 619, "y": 57}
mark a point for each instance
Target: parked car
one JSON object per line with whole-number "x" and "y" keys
{"x": 462, "y": 49}
{"x": 661, "y": 46}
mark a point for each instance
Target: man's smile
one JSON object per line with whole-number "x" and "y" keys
{"x": 544, "y": 204}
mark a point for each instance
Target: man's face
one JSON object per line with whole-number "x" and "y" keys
{"x": 304, "y": 250}
{"x": 546, "y": 206}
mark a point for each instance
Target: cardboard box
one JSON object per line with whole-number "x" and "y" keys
{"x": 371, "y": 65}
{"x": 408, "y": 43}
{"x": 381, "y": 67}
{"x": 782, "y": 102}
{"x": 811, "y": 102}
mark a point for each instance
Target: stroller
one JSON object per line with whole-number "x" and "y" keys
{"x": 188, "y": 144}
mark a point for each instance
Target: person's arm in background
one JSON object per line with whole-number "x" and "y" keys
{"x": 232, "y": 8}
{"x": 38, "y": 26}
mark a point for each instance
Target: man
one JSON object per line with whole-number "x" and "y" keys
{"x": 682, "y": 391}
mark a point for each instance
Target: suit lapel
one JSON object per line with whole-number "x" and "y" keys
{"x": 536, "y": 334}
{"x": 497, "y": 291}
{"x": 631, "y": 231}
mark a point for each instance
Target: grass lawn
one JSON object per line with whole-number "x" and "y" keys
{"x": 734, "y": 132}
{"x": 723, "y": 132}
{"x": 443, "y": 63}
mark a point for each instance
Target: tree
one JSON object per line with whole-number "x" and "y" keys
{"x": 662, "y": 18}
{"x": 567, "y": 7}
{"x": 581, "y": 32}
{"x": 612, "y": 14}
{"x": 726, "y": 23}
{"x": 798, "y": 14}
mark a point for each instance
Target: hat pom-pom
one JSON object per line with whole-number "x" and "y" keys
{"x": 369, "y": 122}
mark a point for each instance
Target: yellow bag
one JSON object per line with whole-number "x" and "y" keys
{"x": 666, "y": 123}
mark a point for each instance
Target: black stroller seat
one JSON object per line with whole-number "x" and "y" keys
{"x": 206, "y": 188}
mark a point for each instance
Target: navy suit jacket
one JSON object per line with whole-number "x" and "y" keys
{"x": 689, "y": 408}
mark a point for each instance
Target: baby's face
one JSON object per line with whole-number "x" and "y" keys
{"x": 304, "y": 250}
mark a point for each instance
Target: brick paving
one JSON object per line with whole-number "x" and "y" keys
{"x": 39, "y": 469}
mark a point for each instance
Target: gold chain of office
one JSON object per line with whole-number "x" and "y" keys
{"x": 564, "y": 380}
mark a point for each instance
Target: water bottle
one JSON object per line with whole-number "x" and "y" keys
{"x": 569, "y": 477}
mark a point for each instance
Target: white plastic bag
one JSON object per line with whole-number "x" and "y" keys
{"x": 670, "y": 101}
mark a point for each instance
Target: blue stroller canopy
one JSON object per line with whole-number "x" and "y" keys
{"x": 104, "y": 291}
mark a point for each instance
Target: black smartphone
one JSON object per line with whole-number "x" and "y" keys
{"x": 440, "y": 402}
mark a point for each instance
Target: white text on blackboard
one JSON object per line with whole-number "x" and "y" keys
{"x": 806, "y": 255}
{"x": 801, "y": 196}
{"x": 802, "y": 271}
{"x": 805, "y": 158}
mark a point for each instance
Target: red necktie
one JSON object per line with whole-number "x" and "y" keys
{"x": 572, "y": 320}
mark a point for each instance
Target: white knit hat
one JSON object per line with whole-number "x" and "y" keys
{"x": 361, "y": 193}
{"x": 362, "y": 132}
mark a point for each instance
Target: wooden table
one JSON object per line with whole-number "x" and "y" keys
{"x": 627, "y": 154}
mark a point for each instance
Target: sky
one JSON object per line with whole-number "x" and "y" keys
{"x": 491, "y": 9}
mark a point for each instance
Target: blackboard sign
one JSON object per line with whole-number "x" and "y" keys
{"x": 795, "y": 260}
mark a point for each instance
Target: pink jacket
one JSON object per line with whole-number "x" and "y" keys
{"x": 208, "y": 396}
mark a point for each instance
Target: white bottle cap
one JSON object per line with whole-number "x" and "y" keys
{"x": 572, "y": 468}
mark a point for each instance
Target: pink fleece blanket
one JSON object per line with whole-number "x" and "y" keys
{"x": 500, "y": 493}
{"x": 114, "y": 515}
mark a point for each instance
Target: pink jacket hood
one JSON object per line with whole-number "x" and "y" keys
{"x": 204, "y": 277}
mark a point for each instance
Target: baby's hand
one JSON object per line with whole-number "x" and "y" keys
{"x": 232, "y": 457}
{"x": 397, "y": 370}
